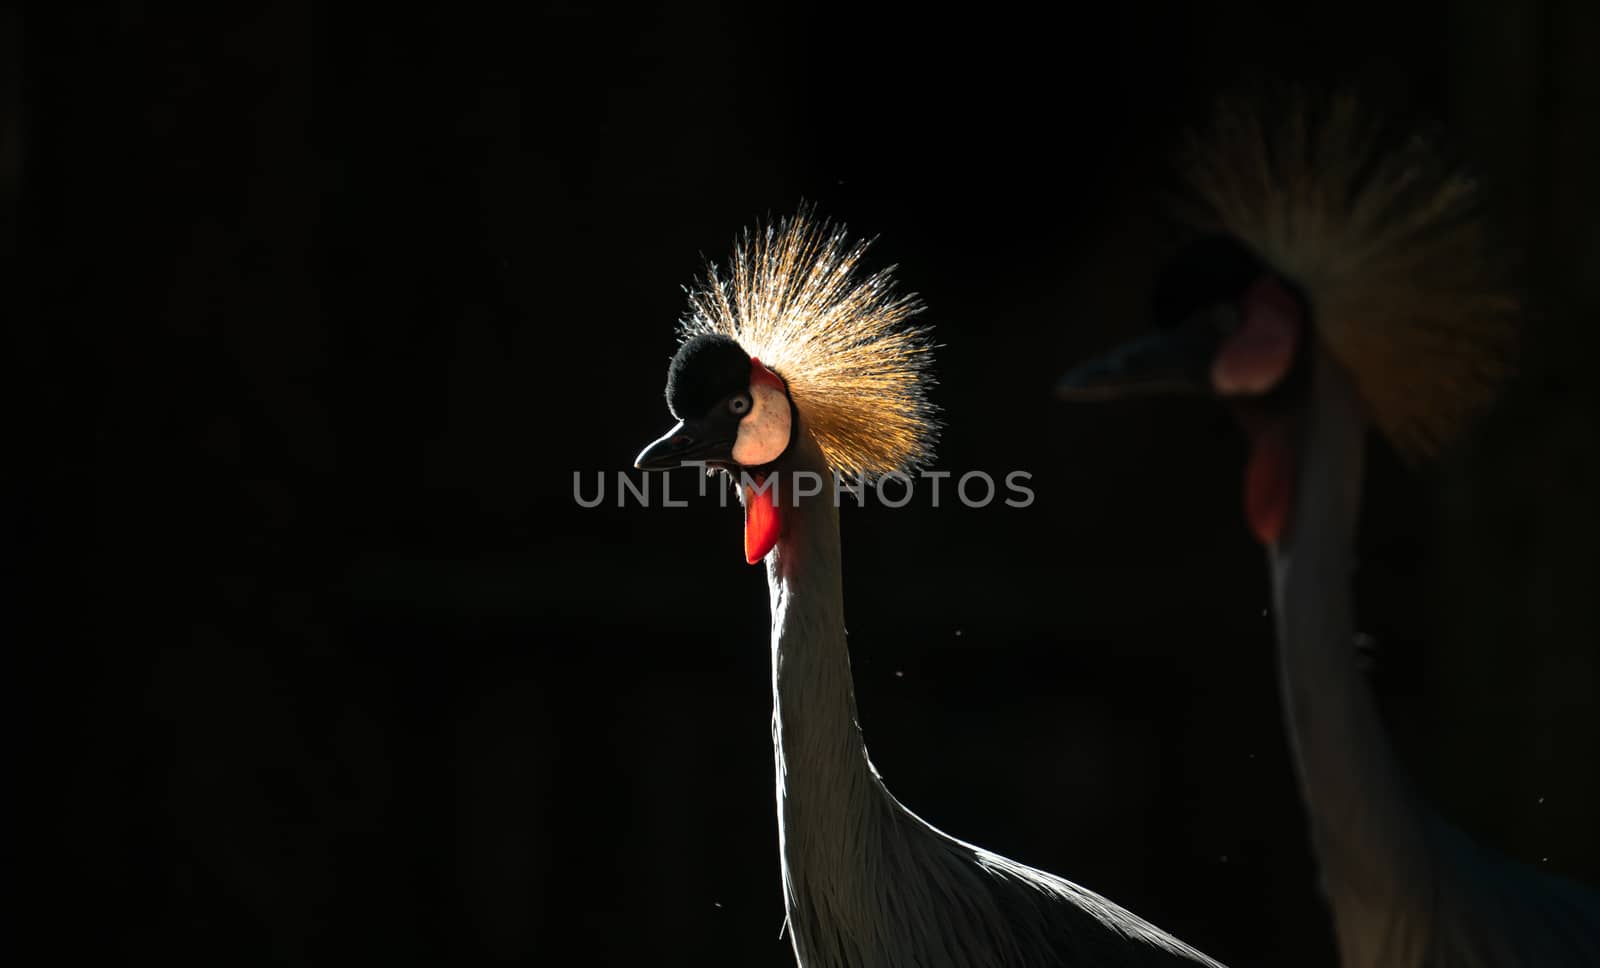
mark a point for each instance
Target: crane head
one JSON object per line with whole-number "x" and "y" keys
{"x": 791, "y": 341}
{"x": 1328, "y": 232}
{"x": 1227, "y": 326}
{"x": 732, "y": 411}
{"x": 733, "y": 414}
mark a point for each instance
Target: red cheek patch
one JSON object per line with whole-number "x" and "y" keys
{"x": 760, "y": 374}
{"x": 1259, "y": 354}
{"x": 760, "y": 522}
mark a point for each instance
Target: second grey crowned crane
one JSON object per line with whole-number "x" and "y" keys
{"x": 1345, "y": 284}
{"x": 793, "y": 368}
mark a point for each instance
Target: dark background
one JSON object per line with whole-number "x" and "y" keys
{"x": 312, "y": 658}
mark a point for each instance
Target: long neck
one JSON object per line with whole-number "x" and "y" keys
{"x": 829, "y": 798}
{"x": 1367, "y": 828}
{"x": 868, "y": 884}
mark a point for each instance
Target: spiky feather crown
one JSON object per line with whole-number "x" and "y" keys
{"x": 1387, "y": 246}
{"x": 855, "y": 370}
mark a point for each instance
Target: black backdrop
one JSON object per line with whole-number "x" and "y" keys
{"x": 316, "y": 659}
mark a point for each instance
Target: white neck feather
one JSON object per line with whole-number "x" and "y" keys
{"x": 829, "y": 797}
{"x": 867, "y": 883}
{"x": 1367, "y": 831}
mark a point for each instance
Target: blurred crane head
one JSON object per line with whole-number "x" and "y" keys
{"x": 1227, "y": 325}
{"x": 1321, "y": 234}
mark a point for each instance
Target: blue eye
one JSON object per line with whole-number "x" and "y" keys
{"x": 739, "y": 405}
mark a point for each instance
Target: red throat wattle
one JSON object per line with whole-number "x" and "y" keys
{"x": 1254, "y": 359}
{"x": 760, "y": 521}
{"x": 1269, "y": 479}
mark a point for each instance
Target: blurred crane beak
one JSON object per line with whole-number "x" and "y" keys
{"x": 1174, "y": 360}
{"x": 686, "y": 442}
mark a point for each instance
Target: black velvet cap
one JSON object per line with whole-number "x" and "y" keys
{"x": 707, "y": 369}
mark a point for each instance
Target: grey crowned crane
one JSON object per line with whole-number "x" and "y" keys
{"x": 793, "y": 367}
{"x": 1339, "y": 284}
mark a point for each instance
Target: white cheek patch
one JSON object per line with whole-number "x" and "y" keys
{"x": 764, "y": 431}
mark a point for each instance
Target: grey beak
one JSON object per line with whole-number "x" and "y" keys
{"x": 685, "y": 442}
{"x": 1176, "y": 360}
